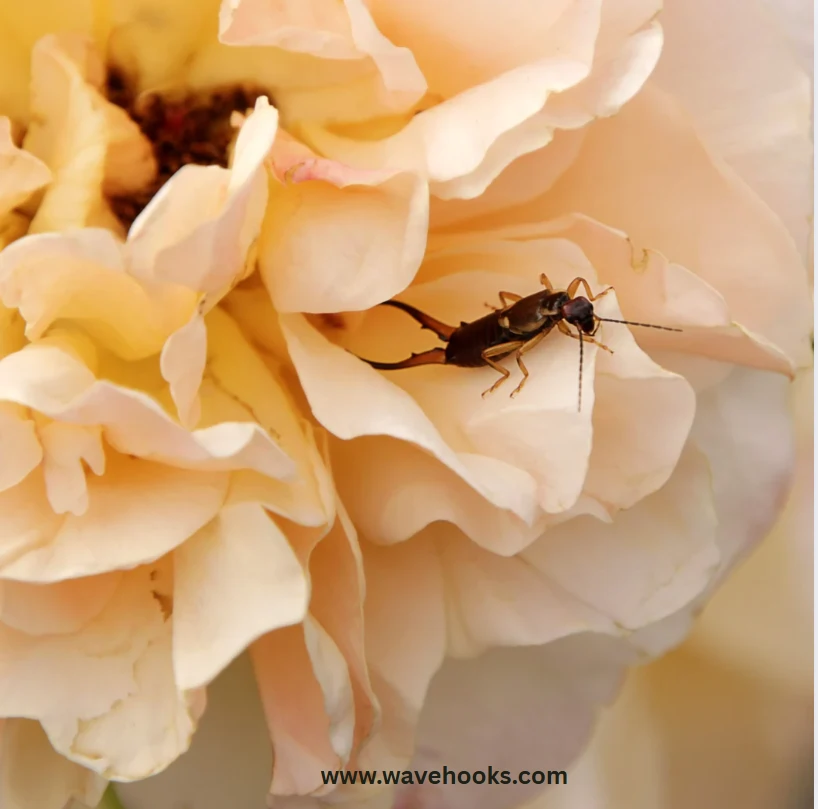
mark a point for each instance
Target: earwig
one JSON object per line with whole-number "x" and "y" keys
{"x": 515, "y": 327}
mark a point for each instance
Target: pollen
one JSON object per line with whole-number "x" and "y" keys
{"x": 190, "y": 128}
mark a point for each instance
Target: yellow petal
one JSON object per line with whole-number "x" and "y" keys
{"x": 21, "y": 173}
{"x": 83, "y": 276}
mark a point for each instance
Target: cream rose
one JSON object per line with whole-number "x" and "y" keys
{"x": 203, "y": 208}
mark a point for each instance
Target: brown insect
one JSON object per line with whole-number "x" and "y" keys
{"x": 512, "y": 329}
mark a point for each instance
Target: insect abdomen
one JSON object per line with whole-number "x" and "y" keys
{"x": 468, "y": 342}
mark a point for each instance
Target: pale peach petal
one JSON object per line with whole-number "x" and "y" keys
{"x": 405, "y": 642}
{"x": 394, "y": 489}
{"x": 381, "y": 216}
{"x": 197, "y": 231}
{"x": 452, "y": 139}
{"x": 61, "y": 607}
{"x": 749, "y": 98}
{"x": 253, "y": 582}
{"x": 713, "y": 224}
{"x": 615, "y": 79}
{"x": 504, "y": 601}
{"x": 126, "y": 522}
{"x": 351, "y": 400}
{"x": 332, "y": 672}
{"x": 143, "y": 732}
{"x": 460, "y": 46}
{"x": 83, "y": 674}
{"x": 68, "y": 448}
{"x": 386, "y": 79}
{"x": 513, "y": 186}
{"x": 762, "y": 464}
{"x": 34, "y": 776}
{"x": 294, "y": 698}
{"x": 21, "y": 173}
{"x": 82, "y": 276}
{"x": 513, "y": 709}
{"x": 319, "y": 27}
{"x": 646, "y": 564}
{"x": 650, "y": 288}
{"x": 518, "y": 431}
{"x": 336, "y": 603}
{"x": 20, "y": 447}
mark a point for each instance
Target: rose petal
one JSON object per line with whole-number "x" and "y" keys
{"x": 504, "y": 601}
{"x": 126, "y": 522}
{"x": 394, "y": 489}
{"x": 649, "y": 562}
{"x": 300, "y": 703}
{"x": 82, "y": 276}
{"x": 95, "y": 667}
{"x": 336, "y": 603}
{"x": 748, "y": 98}
{"x": 20, "y": 447}
{"x": 337, "y": 238}
{"x": 761, "y": 463}
{"x": 46, "y": 378}
{"x": 405, "y": 642}
{"x": 713, "y": 224}
{"x": 21, "y": 173}
{"x": 352, "y": 400}
{"x": 68, "y": 448}
{"x": 143, "y": 732}
{"x": 198, "y": 229}
{"x": 62, "y": 607}
{"x": 70, "y": 132}
{"x": 387, "y": 81}
{"x": 241, "y": 561}
{"x": 182, "y": 362}
{"x": 34, "y": 776}
{"x": 513, "y": 709}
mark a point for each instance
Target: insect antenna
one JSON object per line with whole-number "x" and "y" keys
{"x": 632, "y": 323}
{"x": 581, "y": 343}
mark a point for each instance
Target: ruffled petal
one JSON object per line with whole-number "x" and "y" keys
{"x": 748, "y": 97}
{"x": 253, "y": 583}
{"x": 380, "y": 217}
{"x": 712, "y": 223}
{"x": 21, "y": 173}
{"x": 198, "y": 229}
{"x": 34, "y": 776}
{"x": 513, "y": 709}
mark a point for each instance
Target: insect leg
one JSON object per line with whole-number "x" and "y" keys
{"x": 545, "y": 281}
{"x": 563, "y": 327}
{"x": 519, "y": 357}
{"x": 502, "y": 350}
{"x": 505, "y": 297}
{"x": 574, "y": 286}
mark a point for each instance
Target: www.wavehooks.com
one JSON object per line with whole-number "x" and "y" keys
{"x": 447, "y": 776}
